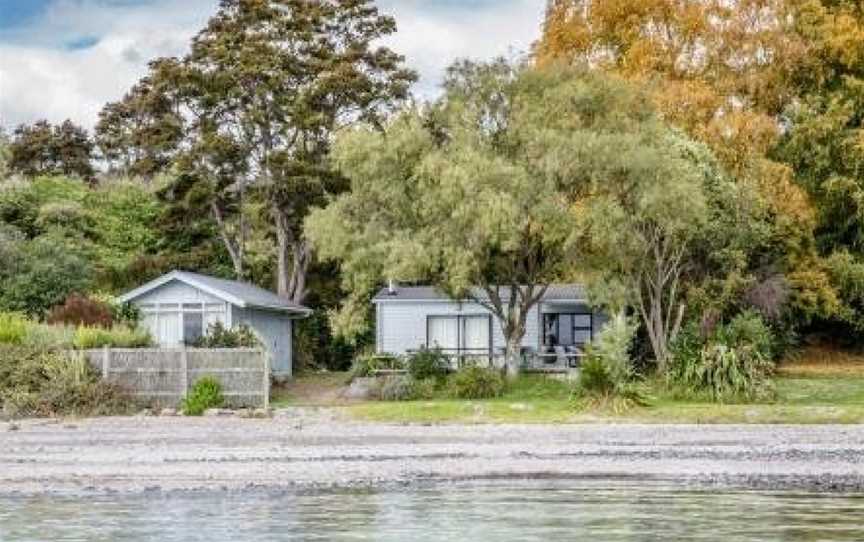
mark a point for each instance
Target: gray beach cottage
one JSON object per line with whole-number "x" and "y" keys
{"x": 414, "y": 317}
{"x": 177, "y": 309}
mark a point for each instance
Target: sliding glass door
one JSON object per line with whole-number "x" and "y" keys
{"x": 458, "y": 334}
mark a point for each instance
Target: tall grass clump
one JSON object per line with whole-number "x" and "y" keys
{"x": 607, "y": 378}
{"x": 87, "y": 338}
{"x": 36, "y": 382}
{"x": 204, "y": 395}
{"x": 734, "y": 364}
{"x": 13, "y": 328}
{"x": 476, "y": 383}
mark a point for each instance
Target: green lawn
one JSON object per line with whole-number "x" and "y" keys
{"x": 809, "y": 390}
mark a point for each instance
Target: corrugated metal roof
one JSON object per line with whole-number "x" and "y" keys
{"x": 555, "y": 292}
{"x": 236, "y": 292}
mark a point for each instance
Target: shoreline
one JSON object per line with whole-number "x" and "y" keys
{"x": 132, "y": 456}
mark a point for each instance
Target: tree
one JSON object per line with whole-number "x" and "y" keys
{"x": 720, "y": 70}
{"x": 264, "y": 88}
{"x": 43, "y": 149}
{"x": 483, "y": 195}
{"x": 140, "y": 134}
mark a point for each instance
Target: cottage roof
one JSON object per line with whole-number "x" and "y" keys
{"x": 241, "y": 294}
{"x": 555, "y": 292}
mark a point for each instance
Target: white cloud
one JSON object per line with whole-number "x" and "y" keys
{"x": 40, "y": 79}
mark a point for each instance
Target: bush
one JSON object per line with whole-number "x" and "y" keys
{"x": 734, "y": 364}
{"x": 79, "y": 310}
{"x": 87, "y": 338}
{"x": 40, "y": 382}
{"x": 370, "y": 364}
{"x": 428, "y": 363}
{"x": 205, "y": 394}
{"x": 476, "y": 383}
{"x": 13, "y": 328}
{"x": 405, "y": 388}
{"x": 218, "y": 336}
{"x": 606, "y": 378}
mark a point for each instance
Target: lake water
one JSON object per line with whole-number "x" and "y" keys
{"x": 483, "y": 511}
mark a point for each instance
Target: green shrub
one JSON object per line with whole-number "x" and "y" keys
{"x": 13, "y": 328}
{"x": 218, "y": 336}
{"x": 370, "y": 364}
{"x": 734, "y": 364}
{"x": 748, "y": 329}
{"x": 428, "y": 363}
{"x": 205, "y": 394}
{"x": 50, "y": 337}
{"x": 87, "y": 338}
{"x": 397, "y": 388}
{"x": 606, "y": 379}
{"x": 476, "y": 383}
{"x": 405, "y": 388}
{"x": 40, "y": 382}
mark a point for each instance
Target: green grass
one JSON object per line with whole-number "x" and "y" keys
{"x": 809, "y": 391}
{"x": 799, "y": 401}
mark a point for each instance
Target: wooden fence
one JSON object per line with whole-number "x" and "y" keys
{"x": 164, "y": 376}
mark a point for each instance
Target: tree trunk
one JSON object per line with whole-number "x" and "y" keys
{"x": 513, "y": 355}
{"x": 234, "y": 246}
{"x": 293, "y": 258}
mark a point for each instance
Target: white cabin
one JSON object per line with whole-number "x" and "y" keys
{"x": 179, "y": 307}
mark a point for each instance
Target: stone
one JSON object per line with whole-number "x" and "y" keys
{"x": 168, "y": 412}
{"x": 146, "y": 413}
{"x": 262, "y": 413}
{"x": 13, "y": 427}
{"x": 218, "y": 413}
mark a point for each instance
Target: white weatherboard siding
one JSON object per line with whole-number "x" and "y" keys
{"x": 402, "y": 325}
{"x": 275, "y": 329}
{"x": 177, "y": 292}
{"x": 166, "y": 308}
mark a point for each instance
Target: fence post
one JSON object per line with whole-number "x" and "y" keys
{"x": 184, "y": 373}
{"x": 266, "y": 380}
{"x": 106, "y": 362}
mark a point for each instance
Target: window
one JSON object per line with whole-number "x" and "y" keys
{"x": 567, "y": 329}
{"x": 469, "y": 334}
{"x": 193, "y": 327}
{"x": 173, "y": 324}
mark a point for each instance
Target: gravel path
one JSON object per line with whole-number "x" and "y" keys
{"x": 296, "y": 449}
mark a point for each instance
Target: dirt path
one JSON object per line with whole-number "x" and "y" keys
{"x": 309, "y": 448}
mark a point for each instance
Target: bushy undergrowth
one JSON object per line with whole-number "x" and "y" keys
{"x": 428, "y": 363}
{"x": 607, "y": 378}
{"x": 35, "y": 382}
{"x": 218, "y": 336}
{"x": 734, "y": 364}
{"x": 118, "y": 337}
{"x": 476, "y": 383}
{"x": 406, "y": 388}
{"x": 369, "y": 364}
{"x": 205, "y": 394}
{"x": 18, "y": 330}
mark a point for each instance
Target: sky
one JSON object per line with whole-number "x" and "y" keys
{"x": 64, "y": 59}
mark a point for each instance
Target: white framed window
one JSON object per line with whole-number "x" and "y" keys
{"x": 174, "y": 324}
{"x": 460, "y": 333}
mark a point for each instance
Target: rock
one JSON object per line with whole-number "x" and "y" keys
{"x": 245, "y": 413}
{"x": 218, "y": 412}
{"x": 262, "y": 413}
{"x": 146, "y": 413}
{"x": 168, "y": 412}
{"x": 13, "y": 427}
